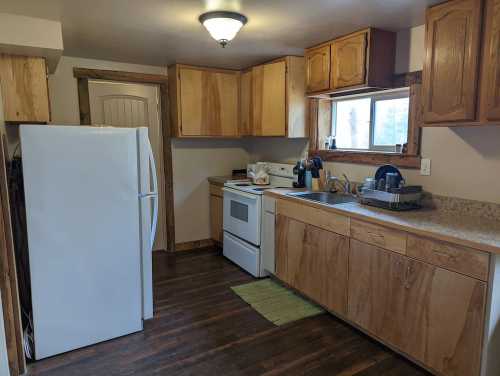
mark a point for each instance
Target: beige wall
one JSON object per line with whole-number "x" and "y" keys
{"x": 465, "y": 161}
{"x": 193, "y": 161}
{"x": 63, "y": 89}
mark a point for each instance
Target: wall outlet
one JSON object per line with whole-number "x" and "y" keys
{"x": 425, "y": 167}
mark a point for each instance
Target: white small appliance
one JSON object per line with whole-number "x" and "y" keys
{"x": 243, "y": 213}
{"x": 259, "y": 173}
{"x": 91, "y": 210}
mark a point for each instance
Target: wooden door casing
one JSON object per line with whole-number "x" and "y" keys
{"x": 490, "y": 88}
{"x": 209, "y": 102}
{"x": 318, "y": 69}
{"x": 269, "y": 99}
{"x": 434, "y": 315}
{"x": 348, "y": 61}
{"x": 316, "y": 262}
{"x": 451, "y": 61}
{"x": 24, "y": 86}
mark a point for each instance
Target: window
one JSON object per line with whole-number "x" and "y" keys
{"x": 374, "y": 122}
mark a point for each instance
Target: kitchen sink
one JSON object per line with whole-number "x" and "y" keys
{"x": 324, "y": 197}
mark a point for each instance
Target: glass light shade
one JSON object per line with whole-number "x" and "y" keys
{"x": 223, "y": 25}
{"x": 223, "y": 29}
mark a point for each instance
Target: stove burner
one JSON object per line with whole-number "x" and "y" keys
{"x": 243, "y": 185}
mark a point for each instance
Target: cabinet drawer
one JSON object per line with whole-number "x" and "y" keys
{"x": 449, "y": 256}
{"x": 320, "y": 218}
{"x": 380, "y": 236}
{"x": 215, "y": 190}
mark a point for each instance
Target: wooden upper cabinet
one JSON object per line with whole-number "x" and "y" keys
{"x": 364, "y": 59}
{"x": 204, "y": 102}
{"x": 269, "y": 99}
{"x": 348, "y": 61}
{"x": 451, "y": 63}
{"x": 490, "y": 90}
{"x": 246, "y": 110}
{"x": 318, "y": 69}
{"x": 24, "y": 89}
{"x": 278, "y": 98}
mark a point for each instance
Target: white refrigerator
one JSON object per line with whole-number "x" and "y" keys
{"x": 91, "y": 208}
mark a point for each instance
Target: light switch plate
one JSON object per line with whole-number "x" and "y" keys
{"x": 425, "y": 167}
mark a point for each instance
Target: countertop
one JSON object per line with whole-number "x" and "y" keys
{"x": 220, "y": 180}
{"x": 475, "y": 232}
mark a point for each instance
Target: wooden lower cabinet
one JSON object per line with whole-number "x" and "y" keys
{"x": 216, "y": 216}
{"x": 313, "y": 261}
{"x": 432, "y": 314}
{"x": 376, "y": 291}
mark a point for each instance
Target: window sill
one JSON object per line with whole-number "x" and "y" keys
{"x": 375, "y": 158}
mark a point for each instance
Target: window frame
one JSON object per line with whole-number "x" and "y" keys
{"x": 319, "y": 120}
{"x": 375, "y": 97}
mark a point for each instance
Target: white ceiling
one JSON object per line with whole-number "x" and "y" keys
{"x": 162, "y": 32}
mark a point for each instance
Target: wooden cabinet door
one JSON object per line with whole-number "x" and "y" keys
{"x": 246, "y": 104}
{"x": 432, "y": 314}
{"x": 269, "y": 99}
{"x": 490, "y": 92}
{"x": 209, "y": 102}
{"x": 451, "y": 61}
{"x": 318, "y": 69}
{"x": 24, "y": 89}
{"x": 348, "y": 60}
{"x": 216, "y": 213}
{"x": 316, "y": 262}
{"x": 289, "y": 240}
{"x": 444, "y": 319}
{"x": 376, "y": 291}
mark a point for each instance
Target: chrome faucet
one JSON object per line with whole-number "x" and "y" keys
{"x": 347, "y": 185}
{"x": 331, "y": 180}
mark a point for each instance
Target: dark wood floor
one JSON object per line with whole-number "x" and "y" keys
{"x": 202, "y": 328}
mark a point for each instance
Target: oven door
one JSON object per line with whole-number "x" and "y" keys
{"x": 242, "y": 214}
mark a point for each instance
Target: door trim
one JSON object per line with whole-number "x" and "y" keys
{"x": 83, "y": 75}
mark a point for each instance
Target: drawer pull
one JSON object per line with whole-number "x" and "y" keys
{"x": 444, "y": 254}
{"x": 376, "y": 236}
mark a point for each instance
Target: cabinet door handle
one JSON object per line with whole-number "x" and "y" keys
{"x": 407, "y": 278}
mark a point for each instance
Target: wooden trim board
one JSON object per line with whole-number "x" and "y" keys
{"x": 8, "y": 277}
{"x": 194, "y": 245}
{"x": 83, "y": 75}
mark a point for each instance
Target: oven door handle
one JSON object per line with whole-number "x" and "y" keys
{"x": 241, "y": 194}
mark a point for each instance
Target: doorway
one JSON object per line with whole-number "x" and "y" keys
{"x": 128, "y": 99}
{"x": 121, "y": 104}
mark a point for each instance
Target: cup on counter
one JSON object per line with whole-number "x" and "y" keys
{"x": 370, "y": 183}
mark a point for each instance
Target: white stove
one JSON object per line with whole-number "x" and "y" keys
{"x": 243, "y": 217}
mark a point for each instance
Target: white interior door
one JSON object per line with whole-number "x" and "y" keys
{"x": 121, "y": 104}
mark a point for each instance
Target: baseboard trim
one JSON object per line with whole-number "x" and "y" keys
{"x": 194, "y": 245}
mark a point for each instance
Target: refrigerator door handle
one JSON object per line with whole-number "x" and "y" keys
{"x": 153, "y": 195}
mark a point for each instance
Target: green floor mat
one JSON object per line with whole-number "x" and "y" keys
{"x": 276, "y": 303}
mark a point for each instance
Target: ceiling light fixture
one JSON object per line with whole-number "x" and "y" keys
{"x": 223, "y": 25}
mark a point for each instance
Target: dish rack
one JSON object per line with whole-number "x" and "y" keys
{"x": 398, "y": 199}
